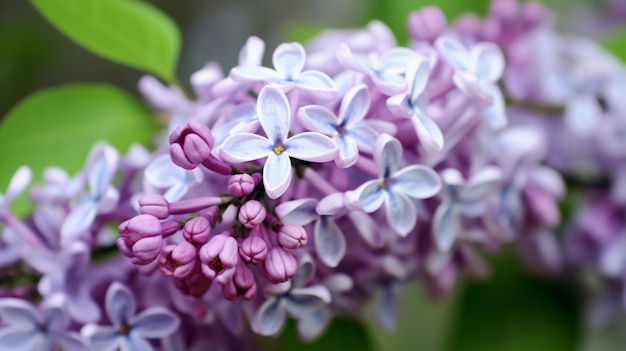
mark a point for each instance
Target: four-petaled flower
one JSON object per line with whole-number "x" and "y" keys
{"x": 394, "y": 187}
{"x": 274, "y": 115}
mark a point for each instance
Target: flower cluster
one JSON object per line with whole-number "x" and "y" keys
{"x": 305, "y": 189}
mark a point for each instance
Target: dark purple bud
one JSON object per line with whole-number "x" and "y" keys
{"x": 253, "y": 249}
{"x": 427, "y": 23}
{"x": 291, "y": 236}
{"x": 190, "y": 145}
{"x": 280, "y": 265}
{"x": 241, "y": 185}
{"x": 197, "y": 230}
{"x": 154, "y": 204}
{"x": 178, "y": 260}
{"x": 252, "y": 213}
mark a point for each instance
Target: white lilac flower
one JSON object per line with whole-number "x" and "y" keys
{"x": 414, "y": 104}
{"x": 394, "y": 188}
{"x": 274, "y": 115}
{"x": 288, "y": 60}
{"x": 129, "y": 330}
{"x": 349, "y": 130}
{"x": 163, "y": 174}
{"x": 26, "y": 328}
{"x": 476, "y": 73}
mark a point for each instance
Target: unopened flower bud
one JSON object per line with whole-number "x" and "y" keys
{"x": 253, "y": 249}
{"x": 252, "y": 213}
{"x": 280, "y": 265}
{"x": 427, "y": 23}
{"x": 240, "y": 185}
{"x": 190, "y": 145}
{"x": 141, "y": 238}
{"x": 242, "y": 284}
{"x": 197, "y": 230}
{"x": 291, "y": 236}
{"x": 154, "y": 204}
{"x": 178, "y": 260}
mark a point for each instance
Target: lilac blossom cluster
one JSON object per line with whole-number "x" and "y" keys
{"x": 306, "y": 188}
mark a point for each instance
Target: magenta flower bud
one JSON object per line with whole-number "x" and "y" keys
{"x": 178, "y": 260}
{"x": 505, "y": 10}
{"x": 280, "y": 265}
{"x": 427, "y": 23}
{"x": 197, "y": 230}
{"x": 242, "y": 284}
{"x": 291, "y": 236}
{"x": 219, "y": 257}
{"x": 190, "y": 145}
{"x": 468, "y": 24}
{"x": 252, "y": 213}
{"x": 253, "y": 249}
{"x": 195, "y": 284}
{"x": 534, "y": 12}
{"x": 241, "y": 185}
{"x": 154, "y": 204}
{"x": 141, "y": 238}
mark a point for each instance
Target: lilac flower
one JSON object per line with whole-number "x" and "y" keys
{"x": 293, "y": 298}
{"x": 219, "y": 258}
{"x": 129, "y": 330}
{"x": 18, "y": 183}
{"x": 26, "y": 328}
{"x": 274, "y": 116}
{"x": 288, "y": 60}
{"x": 162, "y": 174}
{"x": 100, "y": 170}
{"x": 349, "y": 130}
{"x": 414, "y": 104}
{"x": 476, "y": 73}
{"x": 394, "y": 187}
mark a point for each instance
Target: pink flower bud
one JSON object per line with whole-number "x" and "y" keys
{"x": 240, "y": 185}
{"x": 219, "y": 257}
{"x": 190, "y": 145}
{"x": 291, "y": 236}
{"x": 280, "y": 265}
{"x": 195, "y": 284}
{"x": 252, "y": 213}
{"x": 155, "y": 205}
{"x": 197, "y": 230}
{"x": 178, "y": 260}
{"x": 242, "y": 284}
{"x": 427, "y": 23}
{"x": 141, "y": 238}
{"x": 253, "y": 249}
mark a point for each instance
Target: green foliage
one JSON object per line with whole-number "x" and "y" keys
{"x": 129, "y": 32}
{"x": 615, "y": 42}
{"x": 513, "y": 311}
{"x": 341, "y": 335}
{"x": 58, "y": 127}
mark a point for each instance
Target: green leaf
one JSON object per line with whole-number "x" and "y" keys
{"x": 614, "y": 41}
{"x": 129, "y": 32}
{"x": 58, "y": 127}
{"x": 341, "y": 335}
{"x": 513, "y": 311}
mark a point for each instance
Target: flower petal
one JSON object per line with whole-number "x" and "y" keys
{"x": 288, "y": 60}
{"x": 417, "y": 181}
{"x": 364, "y": 136}
{"x": 135, "y": 344}
{"x": 354, "y": 106}
{"x": 312, "y": 326}
{"x": 305, "y": 272}
{"x": 276, "y": 174}
{"x": 251, "y": 53}
{"x": 488, "y": 61}
{"x": 370, "y": 196}
{"x": 387, "y": 155}
{"x": 18, "y": 183}
{"x": 79, "y": 220}
{"x": 300, "y": 212}
{"x": 418, "y": 77}
{"x": 454, "y": 52}
{"x": 582, "y": 115}
{"x": 318, "y": 83}
{"x": 428, "y": 131}
{"x": 71, "y": 342}
{"x": 495, "y": 114}
{"x": 270, "y": 317}
{"x": 318, "y": 118}
{"x": 330, "y": 244}
{"x": 273, "y": 113}
{"x": 17, "y": 339}
{"x": 155, "y": 322}
{"x": 101, "y": 338}
{"x": 120, "y": 304}
{"x": 348, "y": 151}
{"x": 253, "y": 74}
{"x": 400, "y": 211}
{"x": 486, "y": 181}
{"x": 243, "y": 147}
{"x": 304, "y": 301}
{"x": 17, "y": 312}
{"x": 311, "y": 146}
{"x": 101, "y": 168}
{"x": 387, "y": 308}
{"x": 446, "y": 226}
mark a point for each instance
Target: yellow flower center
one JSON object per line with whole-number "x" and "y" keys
{"x": 279, "y": 149}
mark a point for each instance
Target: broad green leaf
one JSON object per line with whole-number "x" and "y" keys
{"x": 130, "y": 32}
{"x": 614, "y": 40}
{"x": 341, "y": 335}
{"x": 58, "y": 127}
{"x": 513, "y": 311}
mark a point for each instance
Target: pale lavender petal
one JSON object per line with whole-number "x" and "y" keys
{"x": 370, "y": 196}
{"x": 355, "y": 104}
{"x": 101, "y": 338}
{"x": 331, "y": 204}
{"x": 387, "y": 155}
{"x": 488, "y": 62}
{"x": 17, "y": 339}
{"x": 446, "y": 226}
{"x": 252, "y": 53}
{"x": 273, "y": 113}
{"x": 318, "y": 83}
{"x": 582, "y": 115}
{"x": 417, "y": 181}
{"x": 253, "y": 74}
{"x": 305, "y": 272}
{"x": 311, "y": 146}
{"x": 101, "y": 168}
{"x": 348, "y": 151}
{"x": 487, "y": 181}
{"x": 346, "y": 58}
{"x": 397, "y": 59}
{"x": 400, "y": 211}
{"x": 312, "y": 326}
{"x": 428, "y": 132}
{"x": 300, "y": 212}
{"x": 454, "y": 52}
{"x": 613, "y": 259}
{"x": 318, "y": 118}
{"x": 270, "y": 317}
{"x": 419, "y": 78}
{"x": 17, "y": 312}
{"x": 54, "y": 317}
{"x": 243, "y": 119}
{"x": 155, "y": 322}
{"x": 18, "y": 182}
{"x": 304, "y": 301}
{"x": 79, "y": 220}
{"x": 71, "y": 342}
{"x": 364, "y": 136}
{"x": 276, "y": 174}
{"x": 330, "y": 243}
{"x": 120, "y": 304}
{"x": 135, "y": 344}
{"x": 288, "y": 60}
{"x": 549, "y": 180}
{"x": 400, "y": 106}
{"x": 469, "y": 84}
{"x": 387, "y": 308}
{"x": 495, "y": 114}
{"x": 243, "y": 147}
